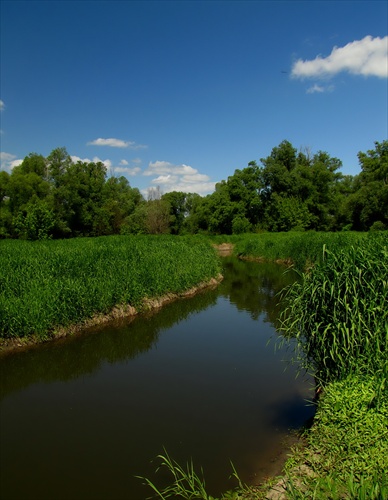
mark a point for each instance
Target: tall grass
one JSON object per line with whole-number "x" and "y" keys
{"x": 302, "y": 248}
{"x": 338, "y": 311}
{"x": 46, "y": 284}
{"x": 347, "y": 448}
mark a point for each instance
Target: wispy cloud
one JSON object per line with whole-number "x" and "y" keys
{"x": 2, "y": 105}
{"x": 319, "y": 89}
{"x": 116, "y": 143}
{"x": 122, "y": 168}
{"x": 95, "y": 159}
{"x": 181, "y": 177}
{"x": 367, "y": 57}
{"x": 165, "y": 167}
{"x": 131, "y": 171}
{"x": 8, "y": 161}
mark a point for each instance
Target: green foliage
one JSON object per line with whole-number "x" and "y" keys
{"x": 346, "y": 456}
{"x": 188, "y": 485}
{"x": 289, "y": 191}
{"x": 299, "y": 248}
{"x": 46, "y": 284}
{"x": 185, "y": 481}
{"x": 369, "y": 201}
{"x": 241, "y": 225}
{"x": 35, "y": 222}
{"x": 338, "y": 311}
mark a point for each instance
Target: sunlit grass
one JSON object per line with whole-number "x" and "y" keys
{"x": 338, "y": 311}
{"x": 46, "y": 284}
{"x": 300, "y": 248}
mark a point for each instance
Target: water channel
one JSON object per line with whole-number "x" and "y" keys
{"x": 82, "y": 416}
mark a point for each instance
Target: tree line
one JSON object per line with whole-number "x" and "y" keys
{"x": 54, "y": 197}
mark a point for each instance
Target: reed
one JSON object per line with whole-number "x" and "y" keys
{"x": 346, "y": 456}
{"x": 338, "y": 311}
{"x": 299, "y": 248}
{"x": 46, "y": 284}
{"x": 187, "y": 484}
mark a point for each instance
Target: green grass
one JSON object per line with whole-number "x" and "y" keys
{"x": 302, "y": 248}
{"x": 46, "y": 284}
{"x": 187, "y": 484}
{"x": 338, "y": 314}
{"x": 338, "y": 311}
{"x": 347, "y": 450}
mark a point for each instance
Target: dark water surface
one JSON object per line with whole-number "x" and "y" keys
{"x": 82, "y": 416}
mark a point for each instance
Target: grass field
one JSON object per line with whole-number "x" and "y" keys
{"x": 46, "y": 284}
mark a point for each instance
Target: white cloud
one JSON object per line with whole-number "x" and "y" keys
{"x": 319, "y": 89}
{"x": 8, "y": 161}
{"x": 367, "y": 57}
{"x": 127, "y": 170}
{"x": 121, "y": 169}
{"x": 201, "y": 188}
{"x": 179, "y": 178}
{"x": 116, "y": 143}
{"x": 165, "y": 179}
{"x": 2, "y": 105}
{"x": 95, "y": 159}
{"x": 165, "y": 167}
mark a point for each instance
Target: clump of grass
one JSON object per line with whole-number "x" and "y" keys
{"x": 185, "y": 481}
{"x": 338, "y": 312}
{"x": 187, "y": 484}
{"x": 46, "y": 284}
{"x": 302, "y": 248}
{"x": 347, "y": 450}
{"x": 338, "y": 315}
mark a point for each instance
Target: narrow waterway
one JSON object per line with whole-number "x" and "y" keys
{"x": 81, "y": 417}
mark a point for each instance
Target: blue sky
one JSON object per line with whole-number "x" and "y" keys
{"x": 179, "y": 94}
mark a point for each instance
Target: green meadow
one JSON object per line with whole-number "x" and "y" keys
{"x": 52, "y": 283}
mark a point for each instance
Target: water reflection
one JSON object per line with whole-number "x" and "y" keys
{"x": 81, "y": 417}
{"x": 256, "y": 287}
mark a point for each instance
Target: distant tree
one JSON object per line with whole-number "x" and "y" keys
{"x": 35, "y": 221}
{"x": 58, "y": 161}
{"x": 177, "y": 201}
{"x": 369, "y": 202}
{"x": 244, "y": 188}
{"x": 299, "y": 190}
{"x": 33, "y": 163}
{"x": 82, "y": 195}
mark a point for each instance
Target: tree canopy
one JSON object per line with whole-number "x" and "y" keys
{"x": 55, "y": 197}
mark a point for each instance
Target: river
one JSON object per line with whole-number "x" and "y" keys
{"x": 82, "y": 416}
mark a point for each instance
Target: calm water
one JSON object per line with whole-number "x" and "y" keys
{"x": 82, "y": 416}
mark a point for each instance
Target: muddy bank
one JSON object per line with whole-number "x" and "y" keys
{"x": 118, "y": 312}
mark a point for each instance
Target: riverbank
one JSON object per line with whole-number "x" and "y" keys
{"x": 56, "y": 287}
{"x": 346, "y": 348}
{"x": 118, "y": 312}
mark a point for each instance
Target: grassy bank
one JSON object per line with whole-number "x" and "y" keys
{"x": 49, "y": 284}
{"x": 338, "y": 313}
{"x": 302, "y": 248}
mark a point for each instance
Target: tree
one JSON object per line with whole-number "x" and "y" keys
{"x": 299, "y": 190}
{"x": 58, "y": 162}
{"x": 81, "y": 193}
{"x": 244, "y": 188}
{"x": 36, "y": 221}
{"x": 33, "y": 163}
{"x": 369, "y": 202}
{"x": 178, "y": 210}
